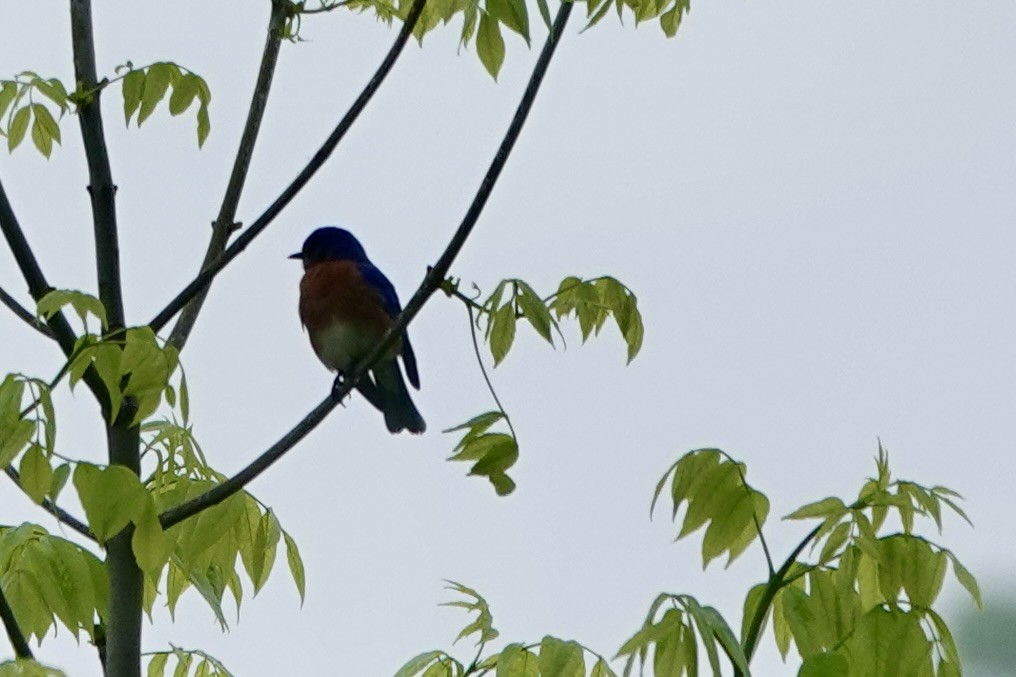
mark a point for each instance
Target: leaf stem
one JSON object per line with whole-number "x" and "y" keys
{"x": 486, "y": 376}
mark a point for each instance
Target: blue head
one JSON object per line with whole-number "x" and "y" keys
{"x": 330, "y": 244}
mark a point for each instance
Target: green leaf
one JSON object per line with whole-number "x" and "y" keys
{"x": 151, "y": 545}
{"x": 517, "y": 661}
{"x": 133, "y": 86}
{"x": 825, "y": 665}
{"x": 13, "y": 438}
{"x": 157, "y": 666}
{"x": 561, "y": 658}
{"x": 8, "y": 90}
{"x": 18, "y": 127}
{"x": 502, "y": 332}
{"x": 512, "y": 13}
{"x": 60, "y": 476}
{"x": 82, "y": 303}
{"x": 490, "y": 44}
{"x": 157, "y": 82}
{"x": 418, "y": 663}
{"x": 112, "y": 498}
{"x": 827, "y": 507}
{"x": 36, "y": 473}
{"x": 483, "y": 624}
{"x": 295, "y": 564}
{"x": 185, "y": 90}
{"x": 43, "y": 129}
{"x": 967, "y": 580}
{"x": 535, "y": 311}
{"x": 751, "y": 602}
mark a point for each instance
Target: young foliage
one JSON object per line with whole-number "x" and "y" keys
{"x": 672, "y": 638}
{"x": 24, "y": 667}
{"x": 207, "y": 552}
{"x": 187, "y": 663}
{"x": 491, "y": 453}
{"x": 21, "y": 110}
{"x": 551, "y": 657}
{"x": 48, "y": 579}
{"x": 712, "y": 486}
{"x": 144, "y": 88}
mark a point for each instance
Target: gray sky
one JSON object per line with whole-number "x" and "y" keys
{"x": 814, "y": 203}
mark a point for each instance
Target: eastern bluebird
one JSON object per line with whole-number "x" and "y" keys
{"x": 346, "y": 305}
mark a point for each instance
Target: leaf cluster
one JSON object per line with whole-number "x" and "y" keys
{"x": 191, "y": 663}
{"x": 491, "y": 453}
{"x": 713, "y": 487}
{"x": 22, "y": 108}
{"x": 550, "y": 657}
{"x": 48, "y": 579}
{"x": 592, "y": 302}
{"x": 25, "y": 667}
{"x": 143, "y": 88}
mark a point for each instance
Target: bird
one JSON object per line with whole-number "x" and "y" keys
{"x": 346, "y": 306}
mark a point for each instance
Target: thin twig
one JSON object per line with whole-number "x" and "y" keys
{"x": 326, "y": 8}
{"x": 24, "y": 314}
{"x": 225, "y": 223}
{"x": 100, "y": 176}
{"x": 205, "y": 277}
{"x": 17, "y": 637}
{"x": 430, "y": 284}
{"x": 56, "y": 511}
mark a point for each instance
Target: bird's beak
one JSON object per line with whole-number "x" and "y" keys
{"x": 297, "y": 255}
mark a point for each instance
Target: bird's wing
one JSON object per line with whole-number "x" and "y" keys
{"x": 376, "y": 279}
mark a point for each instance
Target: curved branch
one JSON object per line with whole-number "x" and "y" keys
{"x": 100, "y": 177}
{"x": 56, "y": 511}
{"x": 24, "y": 315}
{"x": 205, "y": 277}
{"x": 225, "y": 223}
{"x": 17, "y": 637}
{"x": 431, "y": 283}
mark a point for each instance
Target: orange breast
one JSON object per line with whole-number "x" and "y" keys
{"x": 343, "y": 314}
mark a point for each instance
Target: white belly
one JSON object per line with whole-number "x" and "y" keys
{"x": 340, "y": 345}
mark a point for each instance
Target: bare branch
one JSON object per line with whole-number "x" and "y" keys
{"x": 225, "y": 223}
{"x": 100, "y": 176}
{"x": 432, "y": 281}
{"x": 56, "y": 511}
{"x": 326, "y": 8}
{"x": 205, "y": 277}
{"x": 25, "y": 315}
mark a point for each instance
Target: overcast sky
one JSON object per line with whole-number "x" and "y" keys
{"x": 814, "y": 202}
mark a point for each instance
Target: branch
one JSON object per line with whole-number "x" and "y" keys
{"x": 56, "y": 511}
{"x": 432, "y": 281}
{"x": 225, "y": 223}
{"x": 205, "y": 277}
{"x": 25, "y": 316}
{"x": 18, "y": 641}
{"x": 775, "y": 583}
{"x": 100, "y": 176}
{"x": 39, "y": 287}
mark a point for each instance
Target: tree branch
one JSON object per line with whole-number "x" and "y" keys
{"x": 205, "y": 277}
{"x": 100, "y": 176}
{"x": 56, "y": 511}
{"x": 24, "y": 315}
{"x": 762, "y": 610}
{"x": 18, "y": 641}
{"x": 432, "y": 281}
{"x": 39, "y": 287}
{"x": 225, "y": 223}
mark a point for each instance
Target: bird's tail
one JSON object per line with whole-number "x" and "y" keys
{"x": 398, "y": 408}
